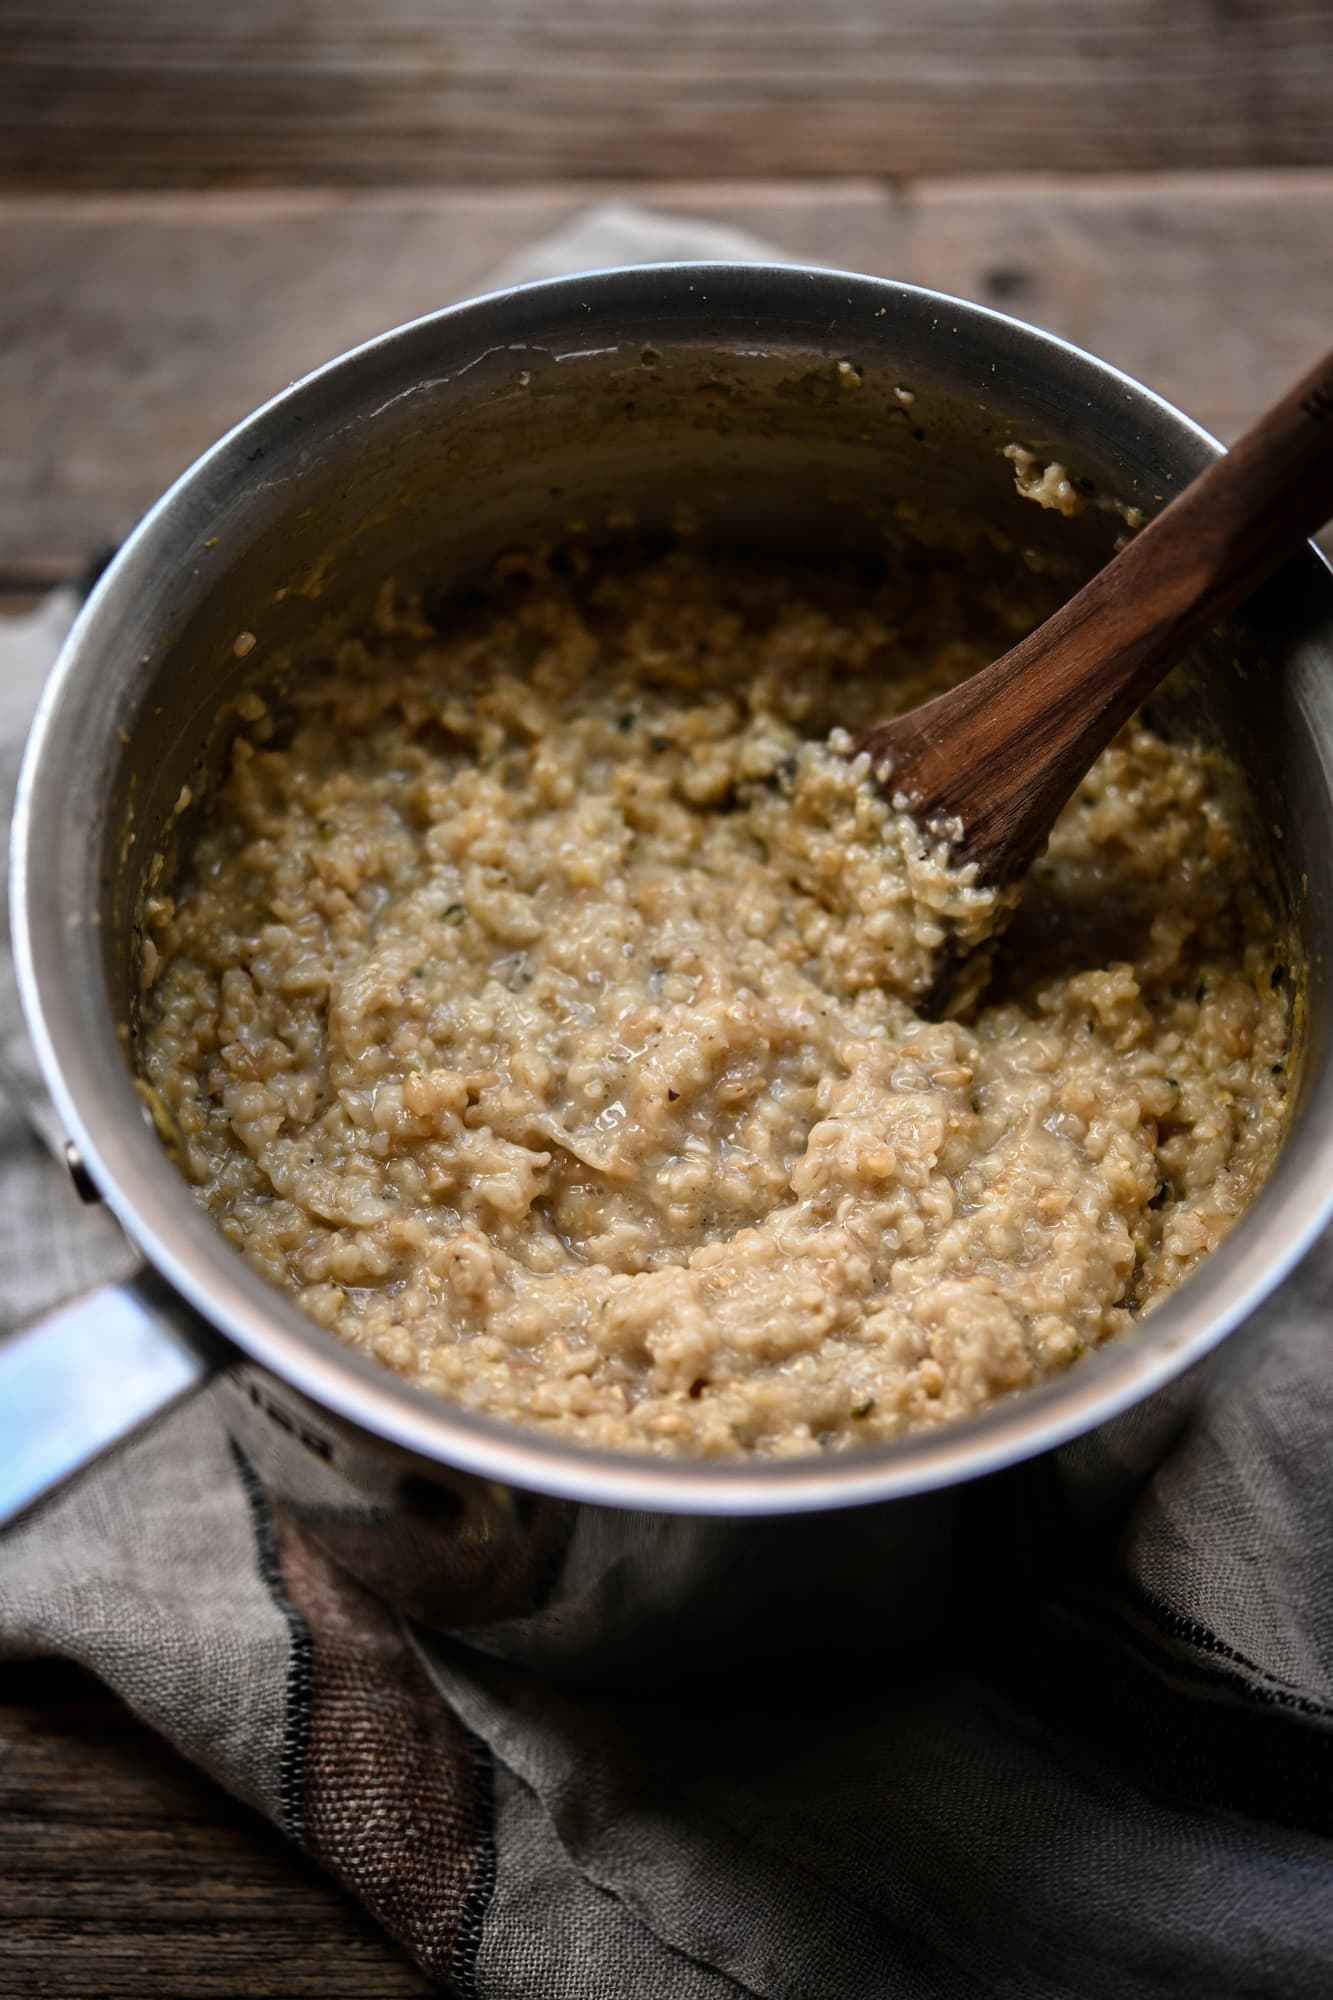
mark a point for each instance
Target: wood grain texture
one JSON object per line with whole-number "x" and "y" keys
{"x": 172, "y": 93}
{"x": 135, "y": 329}
{"x": 123, "y": 1872}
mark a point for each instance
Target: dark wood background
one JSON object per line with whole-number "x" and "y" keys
{"x": 200, "y": 201}
{"x": 253, "y": 93}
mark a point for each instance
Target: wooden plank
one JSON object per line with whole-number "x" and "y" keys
{"x": 171, "y": 93}
{"x": 123, "y": 1872}
{"x": 135, "y": 329}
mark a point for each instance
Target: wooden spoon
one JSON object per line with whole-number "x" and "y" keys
{"x": 991, "y": 763}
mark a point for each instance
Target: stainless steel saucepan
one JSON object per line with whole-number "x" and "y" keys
{"x": 717, "y": 390}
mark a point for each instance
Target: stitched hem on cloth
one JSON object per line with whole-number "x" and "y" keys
{"x": 471, "y": 1923}
{"x": 300, "y": 1663}
{"x": 1179, "y": 1723}
{"x": 1224, "y": 1659}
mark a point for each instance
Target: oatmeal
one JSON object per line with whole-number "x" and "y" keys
{"x": 536, "y": 1007}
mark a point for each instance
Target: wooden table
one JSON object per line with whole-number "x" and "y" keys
{"x": 125, "y": 1873}
{"x": 198, "y": 202}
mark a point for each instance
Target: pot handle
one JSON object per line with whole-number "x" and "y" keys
{"x": 88, "y": 1375}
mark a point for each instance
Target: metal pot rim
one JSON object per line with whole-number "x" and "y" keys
{"x": 85, "y": 1073}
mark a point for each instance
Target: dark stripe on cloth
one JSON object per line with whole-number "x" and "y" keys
{"x": 398, "y": 1793}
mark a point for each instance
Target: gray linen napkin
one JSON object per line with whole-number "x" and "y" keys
{"x": 1114, "y": 1775}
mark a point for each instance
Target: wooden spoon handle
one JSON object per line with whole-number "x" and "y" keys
{"x": 1004, "y": 751}
{"x": 1235, "y": 523}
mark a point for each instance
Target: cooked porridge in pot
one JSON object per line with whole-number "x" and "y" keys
{"x": 535, "y": 1005}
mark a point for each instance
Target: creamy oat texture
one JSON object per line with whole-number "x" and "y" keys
{"x": 537, "y": 1010}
